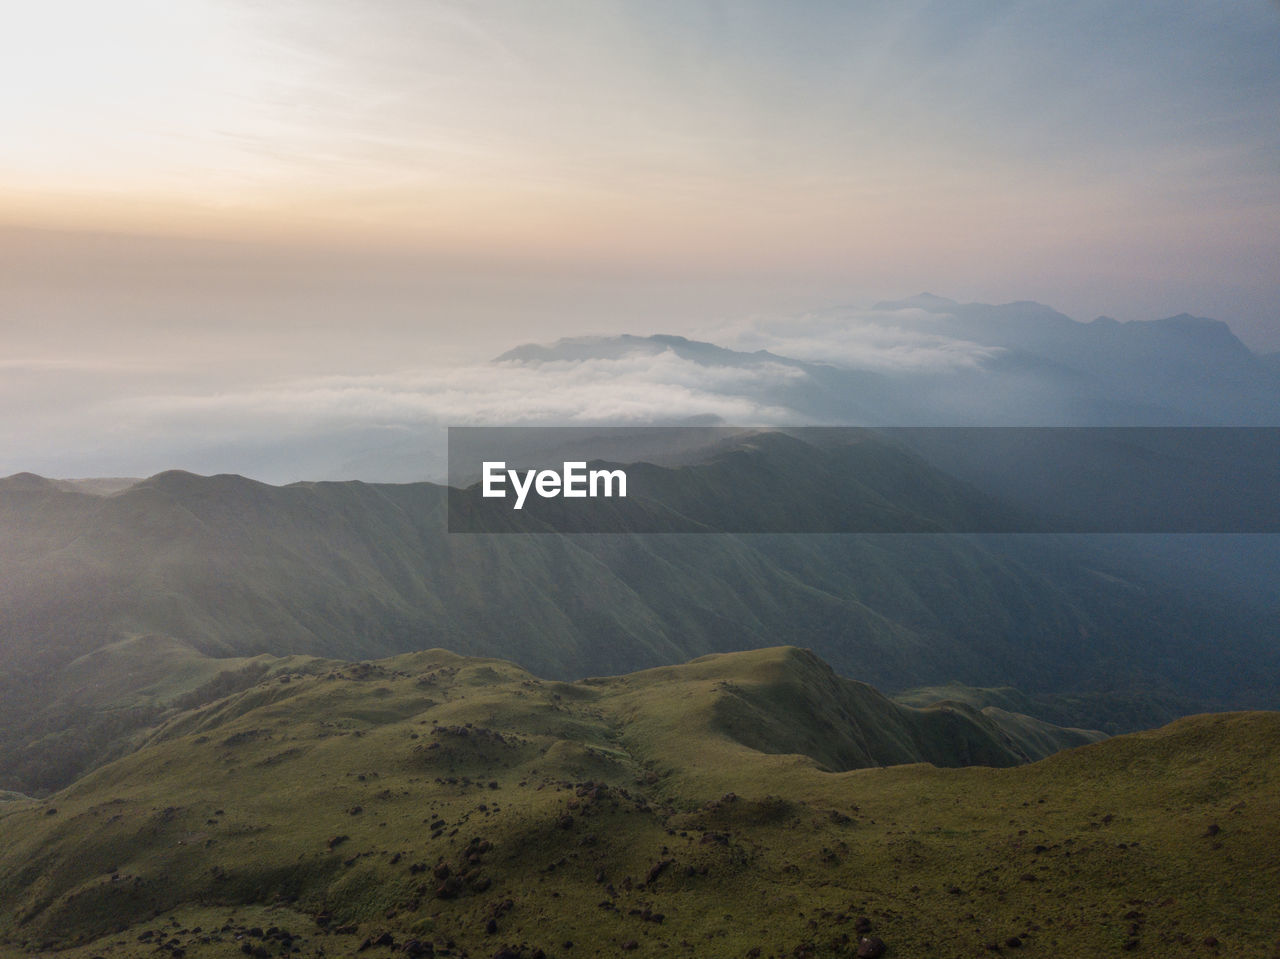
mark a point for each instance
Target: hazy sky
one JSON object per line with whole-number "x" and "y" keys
{"x": 217, "y": 190}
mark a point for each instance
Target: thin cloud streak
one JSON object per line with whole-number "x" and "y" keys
{"x": 634, "y": 389}
{"x": 898, "y": 341}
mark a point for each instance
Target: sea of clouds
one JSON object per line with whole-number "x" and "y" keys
{"x": 101, "y": 418}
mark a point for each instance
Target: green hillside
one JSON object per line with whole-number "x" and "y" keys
{"x": 436, "y": 804}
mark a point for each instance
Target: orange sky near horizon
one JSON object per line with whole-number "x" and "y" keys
{"x": 1028, "y": 152}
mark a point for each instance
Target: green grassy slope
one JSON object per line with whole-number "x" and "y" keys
{"x": 471, "y": 807}
{"x": 100, "y": 705}
{"x": 1115, "y": 709}
{"x": 140, "y": 671}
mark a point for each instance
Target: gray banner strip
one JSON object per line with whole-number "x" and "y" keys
{"x": 864, "y": 480}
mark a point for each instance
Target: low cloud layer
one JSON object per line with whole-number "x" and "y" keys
{"x": 886, "y": 340}
{"x": 317, "y": 426}
{"x": 637, "y": 388}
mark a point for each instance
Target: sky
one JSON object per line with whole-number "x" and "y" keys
{"x": 202, "y": 198}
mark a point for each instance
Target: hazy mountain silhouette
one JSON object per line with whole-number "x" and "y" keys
{"x": 1042, "y": 369}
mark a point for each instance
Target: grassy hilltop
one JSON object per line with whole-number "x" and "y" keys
{"x": 738, "y": 805}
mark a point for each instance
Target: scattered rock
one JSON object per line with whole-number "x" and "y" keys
{"x": 656, "y": 870}
{"x": 870, "y": 947}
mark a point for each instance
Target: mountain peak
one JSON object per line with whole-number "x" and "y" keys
{"x": 1201, "y": 331}
{"x": 172, "y": 479}
{"x": 1189, "y": 322}
{"x": 921, "y": 301}
{"x": 584, "y": 348}
{"x": 181, "y": 482}
{"x": 27, "y": 483}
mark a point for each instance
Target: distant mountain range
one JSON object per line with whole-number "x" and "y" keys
{"x": 203, "y": 569}
{"x": 206, "y": 573}
{"x": 1040, "y": 368}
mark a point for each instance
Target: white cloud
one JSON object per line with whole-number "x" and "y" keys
{"x": 891, "y": 341}
{"x": 635, "y": 388}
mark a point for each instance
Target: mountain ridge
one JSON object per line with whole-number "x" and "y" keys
{"x": 230, "y": 568}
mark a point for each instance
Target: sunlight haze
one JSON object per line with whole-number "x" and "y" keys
{"x": 222, "y": 191}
